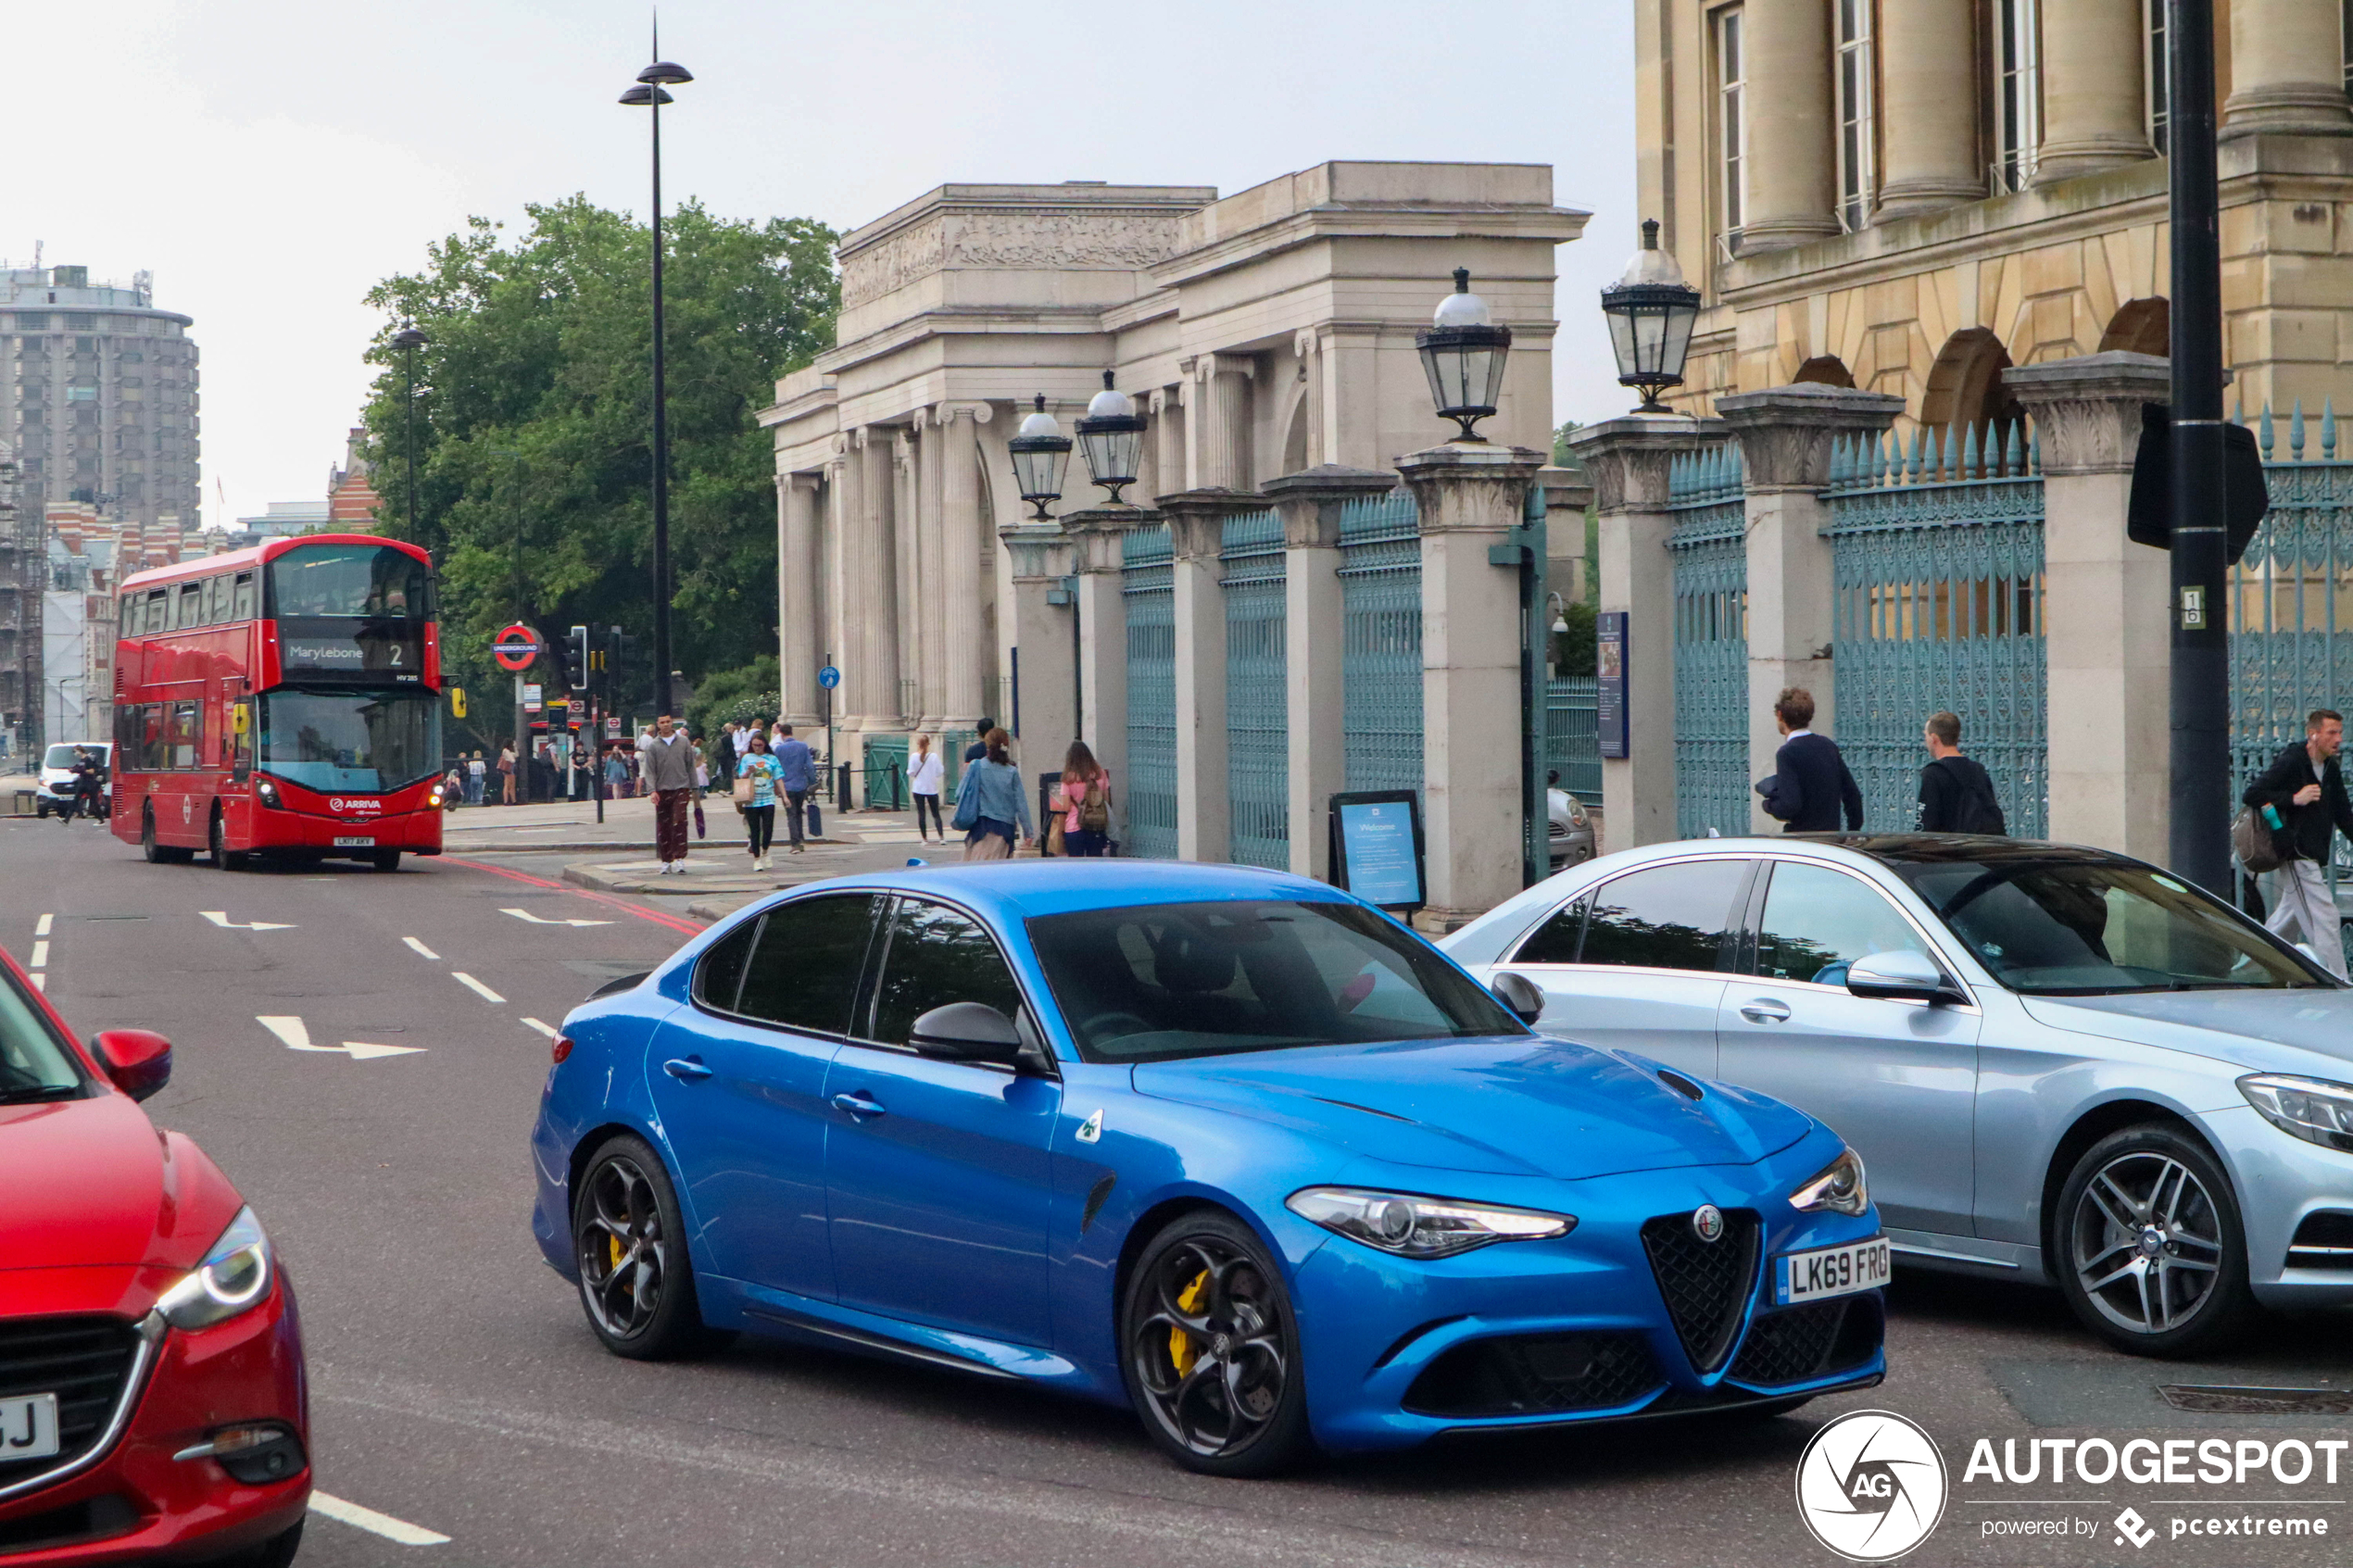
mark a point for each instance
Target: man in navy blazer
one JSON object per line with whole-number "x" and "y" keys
{"x": 1810, "y": 783}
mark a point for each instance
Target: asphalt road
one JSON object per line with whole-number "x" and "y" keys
{"x": 457, "y": 1388}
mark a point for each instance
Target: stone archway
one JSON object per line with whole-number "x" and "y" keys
{"x": 1825, "y": 369}
{"x": 2140, "y": 326}
{"x": 1965, "y": 385}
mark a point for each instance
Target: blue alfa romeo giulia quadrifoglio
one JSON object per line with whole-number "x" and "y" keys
{"x": 1226, "y": 1145}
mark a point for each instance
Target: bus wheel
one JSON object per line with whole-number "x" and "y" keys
{"x": 386, "y": 860}
{"x": 159, "y": 854}
{"x": 224, "y": 858}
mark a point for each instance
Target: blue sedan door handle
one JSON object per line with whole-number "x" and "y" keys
{"x": 1764, "y": 1010}
{"x": 687, "y": 1070}
{"x": 860, "y": 1104}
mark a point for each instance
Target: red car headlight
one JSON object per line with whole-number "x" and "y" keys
{"x": 233, "y": 1278}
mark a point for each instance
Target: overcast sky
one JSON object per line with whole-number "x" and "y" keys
{"x": 270, "y": 159}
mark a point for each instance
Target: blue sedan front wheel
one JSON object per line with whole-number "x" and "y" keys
{"x": 1212, "y": 1349}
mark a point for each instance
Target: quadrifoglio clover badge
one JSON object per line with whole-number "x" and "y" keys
{"x": 1870, "y": 1485}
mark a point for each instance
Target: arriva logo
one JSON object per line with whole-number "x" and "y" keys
{"x": 1870, "y": 1485}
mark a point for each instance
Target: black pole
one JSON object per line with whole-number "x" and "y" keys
{"x": 661, "y": 452}
{"x": 2198, "y": 846}
{"x": 414, "y": 537}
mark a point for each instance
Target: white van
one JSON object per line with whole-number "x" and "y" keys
{"x": 55, "y": 790}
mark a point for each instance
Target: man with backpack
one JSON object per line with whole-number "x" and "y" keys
{"x": 2300, "y": 800}
{"x": 1956, "y": 794}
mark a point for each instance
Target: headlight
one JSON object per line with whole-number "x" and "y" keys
{"x": 268, "y": 792}
{"x": 233, "y": 1277}
{"x": 2313, "y": 1108}
{"x": 1577, "y": 812}
{"x": 1839, "y": 1186}
{"x": 1421, "y": 1227}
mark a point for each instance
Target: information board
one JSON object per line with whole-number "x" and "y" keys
{"x": 1609, "y": 701}
{"x": 1377, "y": 847}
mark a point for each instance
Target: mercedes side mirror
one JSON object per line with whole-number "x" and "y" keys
{"x": 1523, "y": 996}
{"x": 138, "y": 1061}
{"x": 968, "y": 1032}
{"x": 1902, "y": 976}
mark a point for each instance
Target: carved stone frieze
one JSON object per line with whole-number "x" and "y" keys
{"x": 1069, "y": 242}
{"x": 1786, "y": 432}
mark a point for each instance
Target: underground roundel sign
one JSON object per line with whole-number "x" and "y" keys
{"x": 515, "y": 646}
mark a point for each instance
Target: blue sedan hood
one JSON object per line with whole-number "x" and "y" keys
{"x": 1509, "y": 1105}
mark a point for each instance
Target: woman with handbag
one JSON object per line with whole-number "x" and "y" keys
{"x": 990, "y": 804}
{"x": 1081, "y": 805}
{"x": 756, "y": 781}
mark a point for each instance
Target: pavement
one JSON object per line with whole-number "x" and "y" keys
{"x": 455, "y": 1387}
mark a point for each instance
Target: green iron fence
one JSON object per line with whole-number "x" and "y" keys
{"x": 1572, "y": 741}
{"x": 1380, "y": 587}
{"x": 1709, "y": 541}
{"x": 1257, "y": 727}
{"x": 886, "y": 781}
{"x": 1936, "y": 552}
{"x": 1148, "y": 594}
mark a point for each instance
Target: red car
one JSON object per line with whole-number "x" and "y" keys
{"x": 152, "y": 1400}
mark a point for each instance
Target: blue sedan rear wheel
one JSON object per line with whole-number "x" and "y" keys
{"x": 636, "y": 1282}
{"x": 1212, "y": 1349}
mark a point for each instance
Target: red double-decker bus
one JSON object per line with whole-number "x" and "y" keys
{"x": 284, "y": 702}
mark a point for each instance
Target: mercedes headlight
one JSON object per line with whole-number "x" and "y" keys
{"x": 1839, "y": 1186}
{"x": 2313, "y": 1108}
{"x": 233, "y": 1277}
{"x": 1421, "y": 1227}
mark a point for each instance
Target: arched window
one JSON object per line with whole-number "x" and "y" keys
{"x": 1965, "y": 385}
{"x": 1826, "y": 369}
{"x": 2140, "y": 326}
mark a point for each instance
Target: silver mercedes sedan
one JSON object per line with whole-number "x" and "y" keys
{"x": 2060, "y": 1064}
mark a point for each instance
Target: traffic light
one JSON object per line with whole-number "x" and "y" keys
{"x": 577, "y": 660}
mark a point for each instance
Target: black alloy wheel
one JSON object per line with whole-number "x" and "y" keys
{"x": 1212, "y": 1350}
{"x": 2150, "y": 1252}
{"x": 636, "y": 1284}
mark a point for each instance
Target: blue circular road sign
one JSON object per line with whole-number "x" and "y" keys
{"x": 829, "y": 677}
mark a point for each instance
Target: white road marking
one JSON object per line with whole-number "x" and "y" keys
{"x": 543, "y": 1028}
{"x": 40, "y": 982}
{"x": 527, "y": 915}
{"x": 421, "y": 949}
{"x": 476, "y": 987}
{"x": 221, "y": 918}
{"x": 368, "y": 1519}
{"x": 295, "y": 1034}
{"x": 39, "y": 956}
{"x": 41, "y": 927}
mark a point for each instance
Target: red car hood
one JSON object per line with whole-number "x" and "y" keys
{"x": 92, "y": 1182}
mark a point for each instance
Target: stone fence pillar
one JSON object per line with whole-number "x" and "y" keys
{"x": 1046, "y": 668}
{"x": 1785, "y": 434}
{"x": 1310, "y": 503}
{"x": 1196, "y": 532}
{"x": 800, "y": 626}
{"x": 1566, "y": 572}
{"x": 1471, "y": 497}
{"x": 1627, "y": 458}
{"x": 2107, "y": 633}
{"x": 1103, "y": 643}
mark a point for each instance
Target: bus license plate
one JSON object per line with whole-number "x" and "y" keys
{"x": 360, "y": 842}
{"x": 28, "y": 1427}
{"x": 1831, "y": 1271}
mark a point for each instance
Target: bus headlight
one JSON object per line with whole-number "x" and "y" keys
{"x": 266, "y": 792}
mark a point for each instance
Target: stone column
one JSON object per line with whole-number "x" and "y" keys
{"x": 1627, "y": 457}
{"x": 2106, "y": 634}
{"x": 874, "y": 608}
{"x": 1310, "y": 505}
{"x": 1471, "y": 497}
{"x": 931, "y": 642}
{"x": 1566, "y": 494}
{"x": 1196, "y": 529}
{"x": 799, "y": 628}
{"x": 1097, "y": 533}
{"x": 906, "y": 562}
{"x": 1793, "y": 171}
{"x": 1169, "y": 443}
{"x": 2287, "y": 71}
{"x": 1042, "y": 557}
{"x": 1785, "y": 434}
{"x": 1308, "y": 347}
{"x": 963, "y": 552}
{"x": 2095, "y": 114}
{"x": 1929, "y": 129}
{"x": 1223, "y": 441}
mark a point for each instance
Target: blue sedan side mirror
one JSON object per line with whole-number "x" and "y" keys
{"x": 968, "y": 1032}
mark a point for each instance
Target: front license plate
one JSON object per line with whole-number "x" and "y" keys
{"x": 1830, "y": 1271}
{"x": 28, "y": 1427}
{"x": 348, "y": 842}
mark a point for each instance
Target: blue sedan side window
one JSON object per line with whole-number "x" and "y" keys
{"x": 804, "y": 972}
{"x": 937, "y": 956}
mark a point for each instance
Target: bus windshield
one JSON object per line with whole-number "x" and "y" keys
{"x": 363, "y": 743}
{"x": 374, "y": 582}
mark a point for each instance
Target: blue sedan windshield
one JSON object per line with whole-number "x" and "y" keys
{"x": 1158, "y": 981}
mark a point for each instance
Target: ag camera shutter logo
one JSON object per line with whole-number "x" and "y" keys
{"x": 1871, "y": 1485}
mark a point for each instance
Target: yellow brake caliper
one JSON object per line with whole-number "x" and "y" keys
{"x": 1180, "y": 1343}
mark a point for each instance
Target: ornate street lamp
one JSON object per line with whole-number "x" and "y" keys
{"x": 1111, "y": 437}
{"x": 648, "y": 94}
{"x": 1651, "y": 310}
{"x": 409, "y": 340}
{"x": 1463, "y": 352}
{"x": 1039, "y": 450}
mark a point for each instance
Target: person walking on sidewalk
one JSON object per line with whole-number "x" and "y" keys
{"x": 2301, "y": 798}
{"x": 926, "y": 771}
{"x": 1081, "y": 804}
{"x": 797, "y": 774}
{"x": 507, "y": 775}
{"x": 761, "y": 769}
{"x": 1956, "y": 794}
{"x": 667, "y": 757}
{"x": 1809, "y": 784}
{"x": 979, "y": 747}
{"x": 475, "y": 775}
{"x": 990, "y": 803}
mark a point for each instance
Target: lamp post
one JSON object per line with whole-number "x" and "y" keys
{"x": 409, "y": 340}
{"x": 1112, "y": 439}
{"x": 648, "y": 93}
{"x": 1463, "y": 353}
{"x": 1651, "y": 309}
{"x": 1040, "y": 450}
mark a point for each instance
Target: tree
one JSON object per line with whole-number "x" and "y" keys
{"x": 535, "y": 415}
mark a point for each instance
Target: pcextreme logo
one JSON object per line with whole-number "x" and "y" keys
{"x": 1870, "y": 1485}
